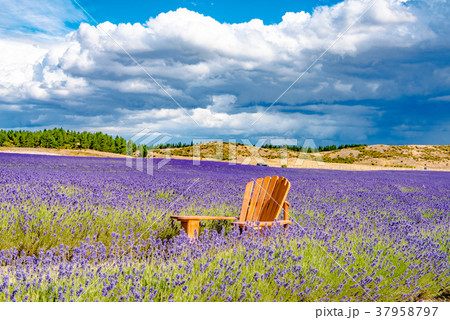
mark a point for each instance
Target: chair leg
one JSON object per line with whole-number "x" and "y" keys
{"x": 286, "y": 226}
{"x": 192, "y": 228}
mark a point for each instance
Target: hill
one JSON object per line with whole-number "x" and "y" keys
{"x": 408, "y": 156}
{"x": 354, "y": 158}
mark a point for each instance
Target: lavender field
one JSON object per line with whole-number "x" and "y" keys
{"x": 93, "y": 229}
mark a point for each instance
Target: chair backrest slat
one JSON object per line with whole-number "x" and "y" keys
{"x": 264, "y": 198}
{"x": 271, "y": 202}
{"x": 255, "y": 197}
{"x": 246, "y": 201}
{"x": 262, "y": 195}
{"x": 279, "y": 197}
{"x": 268, "y": 199}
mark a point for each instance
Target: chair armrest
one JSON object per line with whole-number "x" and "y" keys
{"x": 187, "y": 218}
{"x": 262, "y": 223}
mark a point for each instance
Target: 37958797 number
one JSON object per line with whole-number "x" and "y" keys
{"x": 406, "y": 311}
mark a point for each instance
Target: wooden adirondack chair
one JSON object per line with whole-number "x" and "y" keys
{"x": 263, "y": 201}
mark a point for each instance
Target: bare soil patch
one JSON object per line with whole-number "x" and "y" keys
{"x": 60, "y": 152}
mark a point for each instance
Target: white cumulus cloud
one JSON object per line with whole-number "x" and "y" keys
{"x": 224, "y": 75}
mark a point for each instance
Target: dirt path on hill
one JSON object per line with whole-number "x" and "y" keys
{"x": 60, "y": 152}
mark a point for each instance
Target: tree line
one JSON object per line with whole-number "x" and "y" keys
{"x": 312, "y": 150}
{"x": 172, "y": 145}
{"x": 59, "y": 138}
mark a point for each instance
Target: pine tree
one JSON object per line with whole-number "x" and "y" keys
{"x": 3, "y": 137}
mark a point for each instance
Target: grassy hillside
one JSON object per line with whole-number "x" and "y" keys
{"x": 409, "y": 156}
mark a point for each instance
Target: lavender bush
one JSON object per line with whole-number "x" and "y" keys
{"x": 92, "y": 229}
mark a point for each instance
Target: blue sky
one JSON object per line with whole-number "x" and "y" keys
{"x": 367, "y": 71}
{"x": 231, "y": 11}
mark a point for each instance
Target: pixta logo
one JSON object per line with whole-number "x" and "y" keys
{"x": 279, "y": 152}
{"x": 140, "y": 157}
